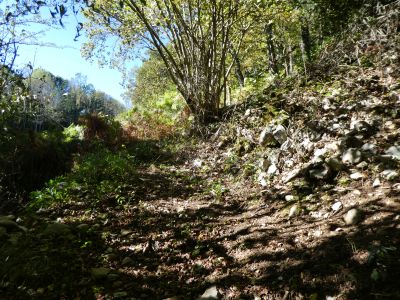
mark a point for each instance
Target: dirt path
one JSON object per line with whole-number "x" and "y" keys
{"x": 175, "y": 239}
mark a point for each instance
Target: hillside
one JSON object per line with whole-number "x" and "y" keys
{"x": 293, "y": 194}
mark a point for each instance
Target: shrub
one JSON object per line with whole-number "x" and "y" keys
{"x": 99, "y": 176}
{"x": 97, "y": 127}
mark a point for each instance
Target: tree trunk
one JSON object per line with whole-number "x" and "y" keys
{"x": 273, "y": 65}
{"x": 306, "y": 39}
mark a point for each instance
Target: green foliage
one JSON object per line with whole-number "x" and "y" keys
{"x": 74, "y": 133}
{"x": 98, "y": 176}
{"x": 152, "y": 92}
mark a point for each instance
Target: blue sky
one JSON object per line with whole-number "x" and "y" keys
{"x": 65, "y": 60}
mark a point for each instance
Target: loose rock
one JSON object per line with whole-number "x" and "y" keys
{"x": 266, "y": 136}
{"x": 280, "y": 134}
{"x": 351, "y": 156}
{"x": 210, "y": 294}
{"x": 353, "y": 216}
{"x": 272, "y": 170}
{"x": 127, "y": 261}
{"x": 57, "y": 229}
{"x": 376, "y": 183}
{"x": 294, "y": 211}
{"x": 320, "y": 173}
{"x": 357, "y": 176}
{"x": 337, "y": 206}
{"x": 394, "y": 152}
{"x": 100, "y": 273}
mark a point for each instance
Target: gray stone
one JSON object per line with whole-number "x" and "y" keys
{"x": 280, "y": 134}
{"x": 264, "y": 164}
{"x": 294, "y": 210}
{"x": 125, "y": 232}
{"x": 83, "y": 227}
{"x": 262, "y": 179}
{"x": 266, "y": 136}
{"x": 8, "y": 224}
{"x": 362, "y": 127}
{"x": 326, "y": 104}
{"x": 352, "y": 156}
{"x": 210, "y": 294}
{"x": 337, "y": 206}
{"x": 290, "y": 198}
{"x": 121, "y": 294}
{"x": 390, "y": 175}
{"x": 320, "y": 173}
{"x": 127, "y": 261}
{"x": 100, "y": 273}
{"x": 353, "y": 216}
{"x": 362, "y": 165}
{"x": 394, "y": 152}
{"x": 357, "y": 176}
{"x": 292, "y": 175}
{"x": 369, "y": 148}
{"x": 57, "y": 229}
{"x": 335, "y": 164}
{"x": 376, "y": 183}
{"x": 272, "y": 170}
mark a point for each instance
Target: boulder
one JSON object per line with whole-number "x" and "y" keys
{"x": 262, "y": 179}
{"x": 390, "y": 175}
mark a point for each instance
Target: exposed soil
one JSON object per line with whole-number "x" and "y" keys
{"x": 181, "y": 239}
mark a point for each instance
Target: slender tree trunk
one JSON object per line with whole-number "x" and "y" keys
{"x": 306, "y": 39}
{"x": 273, "y": 65}
{"x": 238, "y": 65}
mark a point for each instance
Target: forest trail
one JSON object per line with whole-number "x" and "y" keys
{"x": 181, "y": 235}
